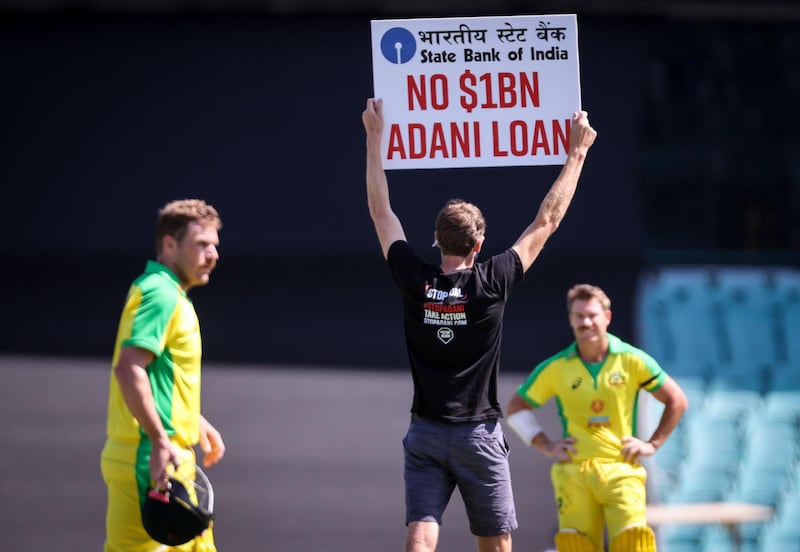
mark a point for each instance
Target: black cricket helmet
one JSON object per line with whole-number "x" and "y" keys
{"x": 181, "y": 512}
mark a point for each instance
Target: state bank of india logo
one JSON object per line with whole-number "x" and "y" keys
{"x": 398, "y": 45}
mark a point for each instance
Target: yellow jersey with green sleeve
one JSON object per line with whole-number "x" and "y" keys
{"x": 159, "y": 317}
{"x": 597, "y": 403}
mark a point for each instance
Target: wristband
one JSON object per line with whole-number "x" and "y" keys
{"x": 524, "y": 424}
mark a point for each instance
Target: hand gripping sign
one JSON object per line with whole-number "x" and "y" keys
{"x": 476, "y": 92}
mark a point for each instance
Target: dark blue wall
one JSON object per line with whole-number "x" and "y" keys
{"x": 105, "y": 118}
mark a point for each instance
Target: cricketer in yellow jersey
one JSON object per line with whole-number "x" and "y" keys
{"x": 597, "y": 478}
{"x": 154, "y": 418}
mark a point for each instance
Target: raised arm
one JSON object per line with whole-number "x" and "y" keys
{"x": 387, "y": 225}
{"x": 555, "y": 203}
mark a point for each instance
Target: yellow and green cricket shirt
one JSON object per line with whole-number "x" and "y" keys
{"x": 158, "y": 316}
{"x": 597, "y": 403}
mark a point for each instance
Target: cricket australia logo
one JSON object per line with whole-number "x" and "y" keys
{"x": 616, "y": 379}
{"x": 445, "y": 335}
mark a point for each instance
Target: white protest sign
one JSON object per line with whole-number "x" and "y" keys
{"x": 476, "y": 92}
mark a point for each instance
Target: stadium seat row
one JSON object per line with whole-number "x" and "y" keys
{"x": 726, "y": 335}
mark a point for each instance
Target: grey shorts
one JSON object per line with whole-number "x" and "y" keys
{"x": 473, "y": 456}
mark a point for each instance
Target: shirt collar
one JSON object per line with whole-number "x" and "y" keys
{"x": 154, "y": 267}
{"x": 614, "y": 346}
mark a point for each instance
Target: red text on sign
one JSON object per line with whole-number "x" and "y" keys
{"x": 521, "y": 138}
{"x": 418, "y": 92}
{"x": 416, "y": 141}
{"x": 501, "y": 90}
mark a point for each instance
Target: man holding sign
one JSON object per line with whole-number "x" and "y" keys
{"x": 453, "y": 316}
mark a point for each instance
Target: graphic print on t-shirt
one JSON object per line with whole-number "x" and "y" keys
{"x": 444, "y": 308}
{"x": 445, "y": 335}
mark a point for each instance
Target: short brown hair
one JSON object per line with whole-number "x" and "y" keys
{"x": 175, "y": 216}
{"x": 459, "y": 226}
{"x": 585, "y": 292}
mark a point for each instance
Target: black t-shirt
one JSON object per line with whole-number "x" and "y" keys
{"x": 453, "y": 326}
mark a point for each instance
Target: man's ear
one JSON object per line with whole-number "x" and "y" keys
{"x": 169, "y": 244}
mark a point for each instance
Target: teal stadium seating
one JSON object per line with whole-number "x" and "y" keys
{"x": 716, "y": 538}
{"x": 729, "y": 336}
{"x": 783, "y": 534}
